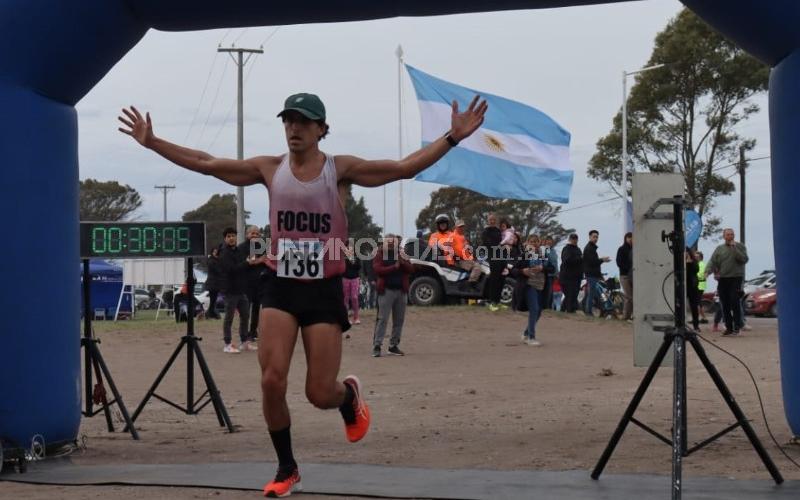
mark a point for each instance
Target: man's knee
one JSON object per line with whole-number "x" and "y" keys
{"x": 320, "y": 394}
{"x": 273, "y": 384}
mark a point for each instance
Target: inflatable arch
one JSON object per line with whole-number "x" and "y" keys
{"x": 52, "y": 52}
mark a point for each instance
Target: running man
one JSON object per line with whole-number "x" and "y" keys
{"x": 307, "y": 190}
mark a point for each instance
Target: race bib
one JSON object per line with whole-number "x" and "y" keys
{"x": 300, "y": 259}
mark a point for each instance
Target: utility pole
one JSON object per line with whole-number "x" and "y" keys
{"x": 742, "y": 168}
{"x": 240, "y": 61}
{"x": 165, "y": 189}
{"x": 399, "y": 53}
{"x": 623, "y": 188}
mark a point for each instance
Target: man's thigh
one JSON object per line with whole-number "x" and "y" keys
{"x": 323, "y": 346}
{"x": 276, "y": 346}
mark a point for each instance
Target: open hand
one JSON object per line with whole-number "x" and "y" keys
{"x": 138, "y": 127}
{"x": 462, "y": 125}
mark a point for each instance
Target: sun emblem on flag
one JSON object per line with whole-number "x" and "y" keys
{"x": 494, "y": 143}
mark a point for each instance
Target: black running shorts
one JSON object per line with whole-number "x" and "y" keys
{"x": 310, "y": 302}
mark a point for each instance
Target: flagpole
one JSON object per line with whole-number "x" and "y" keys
{"x": 399, "y": 53}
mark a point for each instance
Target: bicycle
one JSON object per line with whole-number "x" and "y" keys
{"x": 611, "y": 299}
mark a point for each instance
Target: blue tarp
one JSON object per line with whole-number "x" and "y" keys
{"x": 106, "y": 285}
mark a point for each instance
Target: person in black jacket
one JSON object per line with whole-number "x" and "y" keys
{"x": 591, "y": 270}
{"x": 213, "y": 282}
{"x": 625, "y": 265}
{"x": 571, "y": 273}
{"x": 490, "y": 239}
{"x": 252, "y": 283}
{"x": 234, "y": 286}
{"x": 692, "y": 291}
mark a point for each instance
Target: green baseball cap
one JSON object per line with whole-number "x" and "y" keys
{"x": 308, "y": 105}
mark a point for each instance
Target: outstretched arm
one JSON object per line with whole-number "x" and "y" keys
{"x": 236, "y": 172}
{"x": 379, "y": 172}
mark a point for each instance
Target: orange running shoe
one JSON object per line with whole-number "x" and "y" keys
{"x": 284, "y": 484}
{"x": 357, "y": 429}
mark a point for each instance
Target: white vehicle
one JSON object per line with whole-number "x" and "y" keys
{"x": 434, "y": 282}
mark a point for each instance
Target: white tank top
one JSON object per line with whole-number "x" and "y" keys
{"x": 308, "y": 225}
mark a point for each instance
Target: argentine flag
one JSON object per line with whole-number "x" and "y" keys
{"x": 519, "y": 152}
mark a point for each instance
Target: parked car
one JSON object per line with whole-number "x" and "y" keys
{"x": 143, "y": 298}
{"x": 709, "y": 302}
{"x": 766, "y": 279}
{"x": 202, "y": 296}
{"x": 762, "y": 302}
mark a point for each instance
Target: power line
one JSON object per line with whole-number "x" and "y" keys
{"x": 240, "y": 36}
{"x": 228, "y": 32}
{"x": 174, "y": 174}
{"x": 202, "y": 96}
{"x": 737, "y": 163}
{"x": 230, "y": 110}
{"x": 269, "y": 37}
{"x": 213, "y": 102}
{"x": 590, "y": 204}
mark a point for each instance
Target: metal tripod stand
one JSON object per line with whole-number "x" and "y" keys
{"x": 191, "y": 343}
{"x": 676, "y": 337}
{"x": 94, "y": 360}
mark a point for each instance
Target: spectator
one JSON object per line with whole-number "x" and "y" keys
{"x": 625, "y": 265}
{"x": 509, "y": 235}
{"x": 234, "y": 268}
{"x": 490, "y": 239}
{"x": 571, "y": 273}
{"x": 181, "y": 302}
{"x": 463, "y": 254}
{"x": 532, "y": 270}
{"x": 252, "y": 280}
{"x": 692, "y": 292}
{"x": 552, "y": 258}
{"x": 728, "y": 261}
{"x": 591, "y": 270}
{"x": 558, "y": 294}
{"x": 701, "y": 282}
{"x": 351, "y": 281}
{"x": 392, "y": 268}
{"x": 372, "y": 283}
{"x": 213, "y": 282}
{"x": 441, "y": 241}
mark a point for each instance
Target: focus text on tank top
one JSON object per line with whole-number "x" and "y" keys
{"x": 308, "y": 225}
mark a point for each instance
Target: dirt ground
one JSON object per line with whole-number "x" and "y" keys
{"x": 468, "y": 394}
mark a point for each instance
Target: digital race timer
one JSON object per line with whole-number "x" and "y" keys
{"x": 143, "y": 239}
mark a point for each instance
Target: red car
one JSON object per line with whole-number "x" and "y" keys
{"x": 762, "y": 302}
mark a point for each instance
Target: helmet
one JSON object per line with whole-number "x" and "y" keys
{"x": 442, "y": 218}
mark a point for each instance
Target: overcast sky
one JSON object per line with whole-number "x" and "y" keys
{"x": 566, "y": 62}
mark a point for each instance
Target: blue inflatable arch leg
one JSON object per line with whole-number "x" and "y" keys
{"x": 784, "y": 114}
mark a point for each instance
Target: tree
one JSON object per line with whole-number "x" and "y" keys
{"x": 682, "y": 117}
{"x": 218, "y": 213}
{"x": 107, "y": 201}
{"x": 474, "y": 209}
{"x": 359, "y": 221}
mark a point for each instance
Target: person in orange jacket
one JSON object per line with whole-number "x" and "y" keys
{"x": 441, "y": 240}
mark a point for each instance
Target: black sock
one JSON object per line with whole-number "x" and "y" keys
{"x": 346, "y": 408}
{"x": 282, "y": 441}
